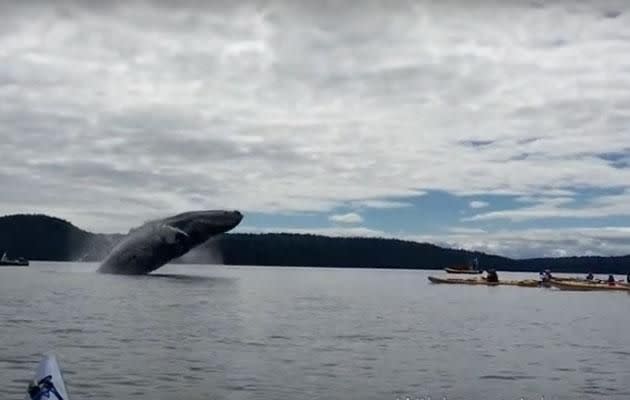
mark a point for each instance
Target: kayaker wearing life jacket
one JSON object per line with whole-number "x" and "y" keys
{"x": 589, "y": 277}
{"x": 611, "y": 280}
{"x": 544, "y": 276}
{"x": 492, "y": 276}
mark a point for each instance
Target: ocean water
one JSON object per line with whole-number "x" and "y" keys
{"x": 215, "y": 332}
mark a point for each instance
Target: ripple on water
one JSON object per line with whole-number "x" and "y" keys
{"x": 87, "y": 346}
{"x": 279, "y": 337}
{"x": 534, "y": 364}
{"x": 17, "y": 321}
{"x": 363, "y": 338}
{"x": 229, "y": 341}
{"x": 596, "y": 391}
{"x": 594, "y": 371}
{"x": 256, "y": 344}
{"x": 192, "y": 378}
{"x": 14, "y": 361}
{"x": 240, "y": 388}
{"x": 91, "y": 385}
{"x": 332, "y": 349}
{"x": 532, "y": 346}
{"x": 620, "y": 353}
{"x": 69, "y": 331}
{"x": 507, "y": 377}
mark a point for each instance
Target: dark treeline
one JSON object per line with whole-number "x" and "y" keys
{"x": 39, "y": 237}
{"x": 320, "y": 251}
{"x": 287, "y": 249}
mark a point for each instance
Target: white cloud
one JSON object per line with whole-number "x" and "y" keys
{"x": 528, "y": 243}
{"x": 382, "y": 204}
{"x": 562, "y": 207}
{"x": 464, "y": 230}
{"x": 126, "y": 112}
{"x": 478, "y": 204}
{"x": 349, "y": 218}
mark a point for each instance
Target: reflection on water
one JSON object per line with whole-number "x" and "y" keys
{"x": 199, "y": 332}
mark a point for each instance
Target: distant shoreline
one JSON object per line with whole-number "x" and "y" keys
{"x": 45, "y": 238}
{"x": 438, "y": 270}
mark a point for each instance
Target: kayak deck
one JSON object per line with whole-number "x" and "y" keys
{"x": 483, "y": 282}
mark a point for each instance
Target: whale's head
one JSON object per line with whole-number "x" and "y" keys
{"x": 156, "y": 243}
{"x": 196, "y": 227}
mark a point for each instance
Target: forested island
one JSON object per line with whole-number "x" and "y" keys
{"x": 41, "y": 237}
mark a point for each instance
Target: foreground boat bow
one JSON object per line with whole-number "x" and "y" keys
{"x": 48, "y": 381}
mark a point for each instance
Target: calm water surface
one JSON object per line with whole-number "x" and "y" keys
{"x": 207, "y": 332}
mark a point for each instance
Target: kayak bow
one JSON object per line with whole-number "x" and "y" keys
{"x": 47, "y": 382}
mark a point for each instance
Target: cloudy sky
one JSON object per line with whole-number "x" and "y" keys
{"x": 499, "y": 126}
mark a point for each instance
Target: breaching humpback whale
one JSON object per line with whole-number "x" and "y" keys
{"x": 155, "y": 243}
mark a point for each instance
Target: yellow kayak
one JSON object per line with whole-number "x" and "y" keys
{"x": 576, "y": 279}
{"x": 567, "y": 279}
{"x": 586, "y": 281}
{"x": 588, "y": 286}
{"x": 481, "y": 281}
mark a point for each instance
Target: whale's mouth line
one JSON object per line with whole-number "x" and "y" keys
{"x": 145, "y": 250}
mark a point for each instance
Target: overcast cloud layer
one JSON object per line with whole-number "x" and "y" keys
{"x": 114, "y": 114}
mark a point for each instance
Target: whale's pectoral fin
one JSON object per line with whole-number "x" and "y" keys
{"x": 173, "y": 234}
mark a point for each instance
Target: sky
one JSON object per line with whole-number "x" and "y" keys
{"x": 500, "y": 126}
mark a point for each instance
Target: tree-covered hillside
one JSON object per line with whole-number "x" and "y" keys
{"x": 40, "y": 237}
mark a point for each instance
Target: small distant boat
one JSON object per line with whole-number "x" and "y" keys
{"x": 8, "y": 262}
{"x": 471, "y": 269}
{"x": 468, "y": 271}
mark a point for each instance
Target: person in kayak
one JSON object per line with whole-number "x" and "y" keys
{"x": 611, "y": 280}
{"x": 492, "y": 276}
{"x": 590, "y": 277}
{"x": 475, "y": 264}
{"x": 544, "y": 276}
